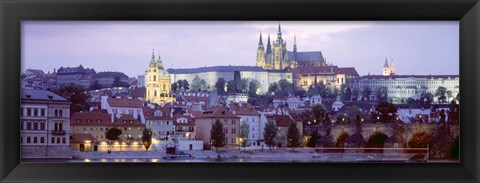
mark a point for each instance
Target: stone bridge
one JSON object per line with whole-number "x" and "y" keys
{"x": 370, "y": 129}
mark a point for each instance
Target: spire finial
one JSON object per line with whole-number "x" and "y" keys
{"x": 260, "y": 40}
{"x": 294, "y": 43}
{"x": 159, "y": 58}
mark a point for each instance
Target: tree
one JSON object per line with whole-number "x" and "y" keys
{"x": 318, "y": 114}
{"x": 147, "y": 138}
{"x": 310, "y": 91}
{"x": 220, "y": 86}
{"x": 244, "y": 85}
{"x": 231, "y": 86}
{"x": 119, "y": 83}
{"x": 252, "y": 88}
{"x": 198, "y": 84}
{"x": 273, "y": 88}
{"x": 457, "y": 98}
{"x": 354, "y": 111}
{"x": 270, "y": 131}
{"x": 301, "y": 93}
{"x": 347, "y": 95}
{"x": 77, "y": 95}
{"x": 285, "y": 88}
{"x": 386, "y": 111}
{"x": 366, "y": 93}
{"x": 95, "y": 86}
{"x": 184, "y": 84}
{"x": 217, "y": 135}
{"x": 355, "y": 93}
{"x": 244, "y": 131}
{"x": 293, "y": 136}
{"x": 113, "y": 134}
{"x": 441, "y": 94}
{"x": 174, "y": 86}
{"x": 382, "y": 94}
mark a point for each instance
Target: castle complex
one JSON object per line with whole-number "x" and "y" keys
{"x": 277, "y": 57}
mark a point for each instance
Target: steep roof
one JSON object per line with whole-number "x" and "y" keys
{"x": 90, "y": 118}
{"x": 123, "y": 102}
{"x": 33, "y": 94}
{"x": 347, "y": 71}
{"x": 280, "y": 120}
{"x": 308, "y": 56}
{"x": 217, "y": 112}
{"x": 127, "y": 119}
{"x": 243, "y": 109}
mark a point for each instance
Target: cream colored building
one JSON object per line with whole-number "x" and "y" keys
{"x": 230, "y": 121}
{"x": 158, "y": 83}
{"x": 212, "y": 74}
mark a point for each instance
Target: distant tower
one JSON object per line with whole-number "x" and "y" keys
{"x": 386, "y": 68}
{"x": 279, "y": 49}
{"x": 261, "y": 53}
{"x": 392, "y": 68}
{"x": 157, "y": 82}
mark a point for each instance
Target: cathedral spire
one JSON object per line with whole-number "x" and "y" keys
{"x": 386, "y": 63}
{"x": 269, "y": 46}
{"x": 260, "y": 40}
{"x": 279, "y": 34}
{"x": 294, "y": 43}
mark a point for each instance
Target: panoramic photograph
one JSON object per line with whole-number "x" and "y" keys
{"x": 240, "y": 91}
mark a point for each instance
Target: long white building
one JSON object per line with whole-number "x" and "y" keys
{"x": 212, "y": 74}
{"x": 408, "y": 86}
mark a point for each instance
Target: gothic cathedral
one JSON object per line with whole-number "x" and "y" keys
{"x": 277, "y": 57}
{"x": 157, "y": 81}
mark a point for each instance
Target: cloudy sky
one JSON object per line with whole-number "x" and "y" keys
{"x": 416, "y": 47}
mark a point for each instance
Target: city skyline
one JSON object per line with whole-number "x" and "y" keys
{"x": 127, "y": 46}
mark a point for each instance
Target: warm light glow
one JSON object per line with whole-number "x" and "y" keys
{"x": 103, "y": 143}
{"x": 87, "y": 160}
{"x": 88, "y": 141}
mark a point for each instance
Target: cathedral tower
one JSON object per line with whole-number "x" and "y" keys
{"x": 158, "y": 83}
{"x": 278, "y": 51}
{"x": 386, "y": 68}
{"x": 261, "y": 54}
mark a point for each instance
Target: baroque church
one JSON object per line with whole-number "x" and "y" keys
{"x": 157, "y": 81}
{"x": 277, "y": 57}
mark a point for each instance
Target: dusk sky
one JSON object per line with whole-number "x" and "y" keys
{"x": 416, "y": 47}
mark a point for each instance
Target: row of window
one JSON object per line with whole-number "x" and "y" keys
{"x": 162, "y": 123}
{"x": 39, "y": 112}
{"x": 106, "y": 129}
{"x": 232, "y": 130}
{"x": 41, "y": 140}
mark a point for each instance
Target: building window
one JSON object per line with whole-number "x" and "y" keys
{"x": 64, "y": 140}
{"x": 28, "y": 140}
{"x": 58, "y": 140}
{"x": 56, "y": 113}
{"x": 35, "y": 126}
{"x": 29, "y": 126}
{"x": 154, "y": 78}
{"x": 42, "y": 112}
{"x": 29, "y": 112}
{"x": 53, "y": 140}
{"x": 35, "y": 112}
{"x": 60, "y": 126}
{"x": 35, "y": 140}
{"x": 42, "y": 140}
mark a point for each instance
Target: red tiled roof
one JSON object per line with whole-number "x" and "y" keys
{"x": 347, "y": 71}
{"x": 100, "y": 111}
{"x": 81, "y": 138}
{"x": 243, "y": 109}
{"x": 190, "y": 121}
{"x": 90, "y": 118}
{"x": 138, "y": 92}
{"x": 280, "y": 120}
{"x": 123, "y": 102}
{"x": 217, "y": 112}
{"x": 128, "y": 119}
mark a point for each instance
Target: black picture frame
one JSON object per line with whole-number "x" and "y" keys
{"x": 13, "y": 12}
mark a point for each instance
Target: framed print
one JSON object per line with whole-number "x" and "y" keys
{"x": 239, "y": 91}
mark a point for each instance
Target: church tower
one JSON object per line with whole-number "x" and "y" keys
{"x": 158, "y": 83}
{"x": 278, "y": 51}
{"x": 392, "y": 68}
{"x": 386, "y": 68}
{"x": 261, "y": 54}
